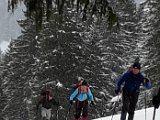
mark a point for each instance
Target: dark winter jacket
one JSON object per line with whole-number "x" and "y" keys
{"x": 132, "y": 82}
{"x": 47, "y": 102}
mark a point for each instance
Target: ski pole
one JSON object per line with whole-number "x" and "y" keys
{"x": 115, "y": 107}
{"x": 68, "y": 112}
{"x": 154, "y": 113}
{"x": 145, "y": 106}
{"x": 57, "y": 110}
{"x": 37, "y": 111}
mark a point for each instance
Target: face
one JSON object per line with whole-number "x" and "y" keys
{"x": 130, "y": 68}
{"x": 135, "y": 70}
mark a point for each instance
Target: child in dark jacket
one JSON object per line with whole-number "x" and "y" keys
{"x": 46, "y": 101}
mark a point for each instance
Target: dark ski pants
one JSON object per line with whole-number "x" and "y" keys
{"x": 129, "y": 101}
{"x": 81, "y": 107}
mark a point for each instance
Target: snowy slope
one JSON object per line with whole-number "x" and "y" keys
{"x": 139, "y": 115}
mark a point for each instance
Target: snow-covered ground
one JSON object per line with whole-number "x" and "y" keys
{"x": 139, "y": 115}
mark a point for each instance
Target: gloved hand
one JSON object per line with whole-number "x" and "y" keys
{"x": 71, "y": 102}
{"x": 117, "y": 91}
{"x": 57, "y": 103}
{"x": 92, "y": 102}
{"x": 156, "y": 102}
{"x": 146, "y": 80}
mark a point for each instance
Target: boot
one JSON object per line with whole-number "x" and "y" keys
{"x": 131, "y": 116}
{"x": 123, "y": 115}
{"x": 84, "y": 118}
{"x": 77, "y": 119}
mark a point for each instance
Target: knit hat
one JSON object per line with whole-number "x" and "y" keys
{"x": 84, "y": 82}
{"x": 136, "y": 65}
{"x": 47, "y": 92}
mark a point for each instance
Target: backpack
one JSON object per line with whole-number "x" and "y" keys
{"x": 79, "y": 86}
{"x": 83, "y": 89}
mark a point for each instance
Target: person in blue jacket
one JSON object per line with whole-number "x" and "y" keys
{"x": 130, "y": 92}
{"x": 81, "y": 95}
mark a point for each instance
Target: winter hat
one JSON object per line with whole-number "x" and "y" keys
{"x": 79, "y": 79}
{"x": 136, "y": 65}
{"x": 84, "y": 82}
{"x": 47, "y": 92}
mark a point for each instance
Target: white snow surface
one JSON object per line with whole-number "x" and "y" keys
{"x": 116, "y": 98}
{"x": 139, "y": 115}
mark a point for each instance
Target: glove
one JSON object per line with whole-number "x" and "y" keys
{"x": 156, "y": 102}
{"x": 57, "y": 103}
{"x": 92, "y": 103}
{"x": 71, "y": 102}
{"x": 117, "y": 91}
{"x": 146, "y": 80}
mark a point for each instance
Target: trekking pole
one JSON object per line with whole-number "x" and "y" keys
{"x": 145, "y": 106}
{"x": 58, "y": 101}
{"x": 68, "y": 112}
{"x": 116, "y": 102}
{"x": 154, "y": 113}
{"x": 57, "y": 112}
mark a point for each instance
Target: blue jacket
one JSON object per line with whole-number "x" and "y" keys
{"x": 132, "y": 82}
{"x": 82, "y": 96}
